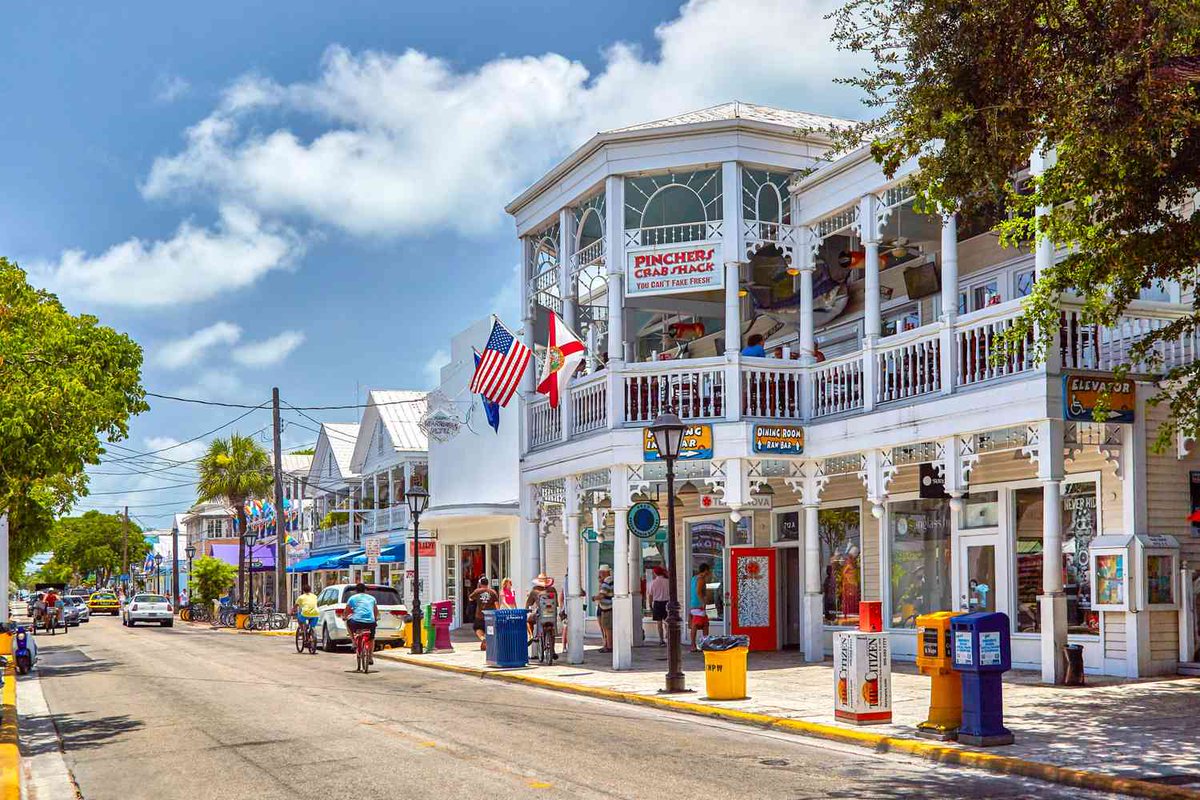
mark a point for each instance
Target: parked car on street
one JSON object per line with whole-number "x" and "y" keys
{"x": 104, "y": 603}
{"x": 70, "y": 613}
{"x": 80, "y": 605}
{"x": 331, "y": 626}
{"x": 148, "y": 608}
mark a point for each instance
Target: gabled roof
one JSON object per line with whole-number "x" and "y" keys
{"x": 294, "y": 464}
{"x": 394, "y": 414}
{"x": 740, "y": 110}
{"x": 336, "y": 439}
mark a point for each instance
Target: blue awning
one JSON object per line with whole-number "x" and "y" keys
{"x": 343, "y": 560}
{"x": 316, "y": 562}
{"x": 388, "y": 555}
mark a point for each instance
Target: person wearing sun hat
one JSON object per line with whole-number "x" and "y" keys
{"x": 604, "y": 605}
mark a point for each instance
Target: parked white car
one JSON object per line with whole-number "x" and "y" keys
{"x": 331, "y": 625}
{"x": 148, "y": 608}
{"x": 85, "y": 613}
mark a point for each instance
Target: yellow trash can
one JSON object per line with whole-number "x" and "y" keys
{"x": 725, "y": 673}
{"x": 5, "y": 644}
{"x": 408, "y": 635}
{"x": 240, "y": 621}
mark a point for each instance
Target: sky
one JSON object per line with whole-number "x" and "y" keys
{"x": 310, "y": 195}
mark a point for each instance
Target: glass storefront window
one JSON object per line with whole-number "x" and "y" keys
{"x": 980, "y": 510}
{"x": 1079, "y": 520}
{"x": 1160, "y": 584}
{"x": 787, "y": 527}
{"x": 707, "y": 542}
{"x": 919, "y": 539}
{"x": 840, "y": 534}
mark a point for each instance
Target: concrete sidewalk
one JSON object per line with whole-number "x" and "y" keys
{"x": 1147, "y": 730}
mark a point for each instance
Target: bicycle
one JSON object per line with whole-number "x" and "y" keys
{"x": 306, "y": 638}
{"x": 544, "y": 642}
{"x": 364, "y": 651}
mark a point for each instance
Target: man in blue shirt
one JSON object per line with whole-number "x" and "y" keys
{"x": 754, "y": 346}
{"x": 362, "y": 612}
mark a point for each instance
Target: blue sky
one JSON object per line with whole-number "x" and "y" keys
{"x": 311, "y": 195}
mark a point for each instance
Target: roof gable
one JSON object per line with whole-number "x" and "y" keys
{"x": 331, "y": 459}
{"x": 390, "y": 425}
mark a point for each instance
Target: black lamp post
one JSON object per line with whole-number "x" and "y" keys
{"x": 418, "y": 501}
{"x": 158, "y": 559}
{"x": 248, "y": 540}
{"x": 668, "y": 434}
{"x": 190, "y": 552}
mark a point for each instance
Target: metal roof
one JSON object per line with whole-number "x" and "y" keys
{"x": 341, "y": 437}
{"x": 401, "y": 412}
{"x": 740, "y": 110}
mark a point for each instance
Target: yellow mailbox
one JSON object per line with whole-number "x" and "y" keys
{"x": 935, "y": 658}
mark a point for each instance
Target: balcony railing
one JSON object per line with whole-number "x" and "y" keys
{"x": 381, "y": 520}
{"x": 335, "y": 536}
{"x": 932, "y": 360}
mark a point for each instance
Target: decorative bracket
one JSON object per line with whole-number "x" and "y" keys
{"x": 1183, "y": 444}
{"x": 717, "y": 480}
{"x": 956, "y": 456}
{"x": 1110, "y": 446}
{"x": 876, "y": 471}
{"x": 871, "y": 218}
{"x": 1044, "y": 448}
{"x": 636, "y": 483}
{"x": 808, "y": 479}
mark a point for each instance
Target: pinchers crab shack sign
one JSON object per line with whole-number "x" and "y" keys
{"x": 690, "y": 267}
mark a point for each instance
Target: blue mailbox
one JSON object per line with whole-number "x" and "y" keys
{"x": 982, "y": 653}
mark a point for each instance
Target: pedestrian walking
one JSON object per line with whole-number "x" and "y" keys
{"x": 508, "y": 598}
{"x": 604, "y": 604}
{"x": 698, "y": 604}
{"x": 485, "y": 598}
{"x": 659, "y": 592}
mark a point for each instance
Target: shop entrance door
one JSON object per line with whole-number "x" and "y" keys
{"x": 753, "y": 588}
{"x": 790, "y": 588}
{"x": 982, "y": 573}
{"x": 472, "y": 565}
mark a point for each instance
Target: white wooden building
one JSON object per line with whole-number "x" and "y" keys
{"x": 669, "y": 245}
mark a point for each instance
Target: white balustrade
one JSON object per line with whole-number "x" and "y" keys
{"x": 909, "y": 365}
{"x": 545, "y": 424}
{"x": 982, "y": 354}
{"x": 589, "y": 404}
{"x": 658, "y": 235}
{"x": 692, "y": 388}
{"x": 333, "y": 536}
{"x": 837, "y": 386}
{"x": 1085, "y": 345}
{"x": 771, "y": 388}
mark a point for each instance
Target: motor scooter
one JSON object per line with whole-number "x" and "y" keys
{"x": 24, "y": 650}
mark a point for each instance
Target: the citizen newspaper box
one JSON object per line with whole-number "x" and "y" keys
{"x": 862, "y": 673}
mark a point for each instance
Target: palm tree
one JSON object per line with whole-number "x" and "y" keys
{"x": 233, "y": 470}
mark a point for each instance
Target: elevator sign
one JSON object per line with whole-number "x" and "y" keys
{"x": 669, "y": 269}
{"x": 1082, "y": 394}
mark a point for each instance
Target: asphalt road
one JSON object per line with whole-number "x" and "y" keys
{"x": 196, "y": 714}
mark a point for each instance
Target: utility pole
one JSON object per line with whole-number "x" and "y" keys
{"x": 281, "y": 594}
{"x": 125, "y": 550}
{"x": 175, "y": 563}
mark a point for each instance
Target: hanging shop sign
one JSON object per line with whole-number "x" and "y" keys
{"x": 697, "y": 444}
{"x": 780, "y": 440}
{"x": 751, "y": 502}
{"x": 1082, "y": 393}
{"x": 426, "y": 548}
{"x": 589, "y": 534}
{"x": 669, "y": 269}
{"x": 932, "y": 483}
{"x": 644, "y": 520}
{"x": 374, "y": 548}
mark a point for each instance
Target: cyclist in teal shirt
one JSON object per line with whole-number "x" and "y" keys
{"x": 363, "y": 611}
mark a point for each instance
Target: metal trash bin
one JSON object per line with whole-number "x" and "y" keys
{"x": 507, "y": 630}
{"x": 489, "y": 637}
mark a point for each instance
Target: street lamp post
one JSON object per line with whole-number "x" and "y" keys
{"x": 418, "y": 501}
{"x": 668, "y": 433}
{"x": 158, "y": 559}
{"x": 190, "y": 552}
{"x": 248, "y": 540}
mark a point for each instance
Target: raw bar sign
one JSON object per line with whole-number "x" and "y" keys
{"x": 784, "y": 440}
{"x": 690, "y": 267}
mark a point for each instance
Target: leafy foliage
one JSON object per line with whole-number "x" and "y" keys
{"x": 93, "y": 544}
{"x": 211, "y": 577}
{"x": 66, "y": 384}
{"x": 232, "y": 470}
{"x": 971, "y": 90}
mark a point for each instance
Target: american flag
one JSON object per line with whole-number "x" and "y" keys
{"x": 503, "y": 363}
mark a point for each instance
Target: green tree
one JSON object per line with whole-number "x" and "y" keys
{"x": 971, "y": 90}
{"x": 94, "y": 543}
{"x": 66, "y": 384}
{"x": 211, "y": 577}
{"x": 231, "y": 471}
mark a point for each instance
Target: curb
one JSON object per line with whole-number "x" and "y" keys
{"x": 1004, "y": 765}
{"x": 10, "y": 752}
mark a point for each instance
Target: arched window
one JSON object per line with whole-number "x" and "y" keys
{"x": 768, "y": 204}
{"x": 590, "y": 229}
{"x": 673, "y": 204}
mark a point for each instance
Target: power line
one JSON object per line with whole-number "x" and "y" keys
{"x": 198, "y": 401}
{"x": 187, "y": 441}
{"x": 134, "y": 491}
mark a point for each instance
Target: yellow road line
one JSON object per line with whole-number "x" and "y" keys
{"x": 945, "y": 754}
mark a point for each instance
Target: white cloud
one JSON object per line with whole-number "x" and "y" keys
{"x": 268, "y": 352}
{"x": 216, "y": 384}
{"x": 407, "y": 142}
{"x": 172, "y": 449}
{"x": 187, "y": 351}
{"x": 194, "y": 264}
{"x": 169, "y": 88}
{"x": 432, "y": 369}
{"x": 506, "y": 301}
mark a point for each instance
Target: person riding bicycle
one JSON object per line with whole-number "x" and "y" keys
{"x": 362, "y": 612}
{"x": 306, "y": 607}
{"x": 543, "y": 603}
{"x": 53, "y": 604}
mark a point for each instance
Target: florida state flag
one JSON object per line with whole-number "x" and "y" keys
{"x": 563, "y": 354}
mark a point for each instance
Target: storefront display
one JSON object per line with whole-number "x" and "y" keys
{"x": 1160, "y": 580}
{"x": 1080, "y": 518}
{"x": 920, "y": 574}
{"x": 707, "y": 542}
{"x": 840, "y": 536}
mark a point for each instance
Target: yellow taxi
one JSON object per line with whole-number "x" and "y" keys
{"x": 104, "y": 603}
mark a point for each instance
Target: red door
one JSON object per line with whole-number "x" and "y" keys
{"x": 753, "y": 596}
